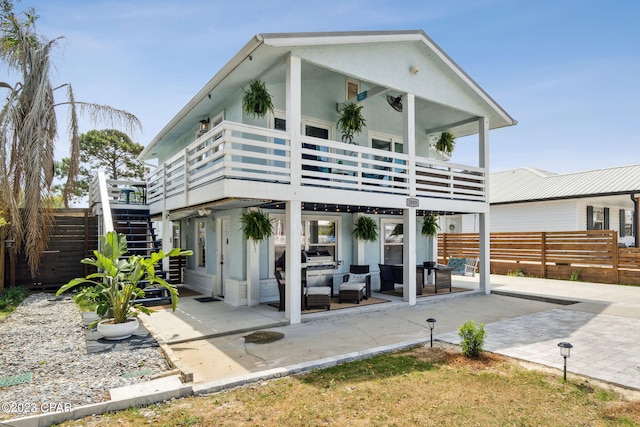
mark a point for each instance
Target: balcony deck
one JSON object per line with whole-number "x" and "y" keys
{"x": 229, "y": 160}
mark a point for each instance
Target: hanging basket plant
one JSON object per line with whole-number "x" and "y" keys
{"x": 256, "y": 225}
{"x": 365, "y": 229}
{"x": 430, "y": 225}
{"x": 257, "y": 99}
{"x": 446, "y": 142}
{"x": 351, "y": 121}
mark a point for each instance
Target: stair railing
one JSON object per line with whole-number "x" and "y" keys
{"x": 107, "y": 220}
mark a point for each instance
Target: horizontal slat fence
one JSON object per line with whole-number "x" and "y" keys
{"x": 74, "y": 236}
{"x": 592, "y": 255}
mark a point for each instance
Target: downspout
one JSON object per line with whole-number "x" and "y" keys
{"x": 636, "y": 237}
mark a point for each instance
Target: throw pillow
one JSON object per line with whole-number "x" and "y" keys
{"x": 357, "y": 278}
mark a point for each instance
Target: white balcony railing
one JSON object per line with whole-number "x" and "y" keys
{"x": 237, "y": 151}
{"x": 121, "y": 191}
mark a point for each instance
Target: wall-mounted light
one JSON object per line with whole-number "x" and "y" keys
{"x": 414, "y": 69}
{"x": 204, "y": 212}
{"x": 204, "y": 125}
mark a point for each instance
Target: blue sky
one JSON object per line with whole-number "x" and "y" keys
{"x": 567, "y": 70}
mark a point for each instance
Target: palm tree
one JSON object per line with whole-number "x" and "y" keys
{"x": 28, "y": 129}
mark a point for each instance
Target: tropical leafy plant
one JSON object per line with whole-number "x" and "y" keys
{"x": 256, "y": 225}
{"x": 446, "y": 142}
{"x": 351, "y": 121}
{"x": 257, "y": 99}
{"x": 430, "y": 225}
{"x": 120, "y": 280}
{"x": 473, "y": 336}
{"x": 365, "y": 229}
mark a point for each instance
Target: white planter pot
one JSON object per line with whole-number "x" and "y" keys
{"x": 118, "y": 331}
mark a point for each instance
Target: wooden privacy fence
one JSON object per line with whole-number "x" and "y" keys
{"x": 74, "y": 236}
{"x": 592, "y": 255}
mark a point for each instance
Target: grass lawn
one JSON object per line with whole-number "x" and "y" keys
{"x": 419, "y": 387}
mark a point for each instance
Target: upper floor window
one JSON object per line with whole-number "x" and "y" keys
{"x": 353, "y": 88}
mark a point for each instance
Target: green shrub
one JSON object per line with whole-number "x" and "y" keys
{"x": 12, "y": 297}
{"x": 472, "y": 338}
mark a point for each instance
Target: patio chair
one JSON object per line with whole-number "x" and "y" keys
{"x": 463, "y": 266}
{"x": 356, "y": 285}
{"x": 281, "y": 289}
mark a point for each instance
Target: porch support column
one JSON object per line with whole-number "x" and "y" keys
{"x": 485, "y": 238}
{"x": 409, "y": 256}
{"x": 409, "y": 214}
{"x": 358, "y": 244}
{"x": 409, "y": 138}
{"x": 294, "y": 118}
{"x": 293, "y": 288}
{"x": 253, "y": 271}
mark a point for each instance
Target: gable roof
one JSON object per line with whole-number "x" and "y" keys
{"x": 260, "y": 56}
{"x": 528, "y": 184}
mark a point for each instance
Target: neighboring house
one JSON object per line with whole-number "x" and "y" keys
{"x": 215, "y": 161}
{"x": 534, "y": 200}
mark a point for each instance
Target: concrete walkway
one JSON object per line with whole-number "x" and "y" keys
{"x": 524, "y": 318}
{"x": 206, "y": 340}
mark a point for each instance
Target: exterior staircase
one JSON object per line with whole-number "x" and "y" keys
{"x": 135, "y": 224}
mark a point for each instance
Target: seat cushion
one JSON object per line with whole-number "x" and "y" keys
{"x": 351, "y": 286}
{"x": 319, "y": 290}
{"x": 357, "y": 278}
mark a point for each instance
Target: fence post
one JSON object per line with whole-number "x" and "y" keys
{"x": 444, "y": 248}
{"x": 615, "y": 258}
{"x": 543, "y": 253}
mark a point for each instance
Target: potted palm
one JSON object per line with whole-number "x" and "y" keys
{"x": 256, "y": 101}
{"x": 365, "y": 229}
{"x": 117, "y": 284}
{"x": 446, "y": 142}
{"x": 351, "y": 121}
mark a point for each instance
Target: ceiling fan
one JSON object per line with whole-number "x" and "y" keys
{"x": 395, "y": 102}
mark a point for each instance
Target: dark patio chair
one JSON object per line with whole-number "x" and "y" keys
{"x": 281, "y": 289}
{"x": 387, "y": 281}
{"x": 356, "y": 285}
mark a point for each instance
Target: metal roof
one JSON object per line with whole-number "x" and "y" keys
{"x": 528, "y": 184}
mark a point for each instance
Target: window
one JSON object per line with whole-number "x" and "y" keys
{"x": 175, "y": 243}
{"x": 202, "y": 244}
{"x": 318, "y": 234}
{"x": 597, "y": 218}
{"x": 626, "y": 223}
{"x": 353, "y": 88}
{"x": 392, "y": 247}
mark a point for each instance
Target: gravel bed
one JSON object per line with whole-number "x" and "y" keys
{"x": 47, "y": 337}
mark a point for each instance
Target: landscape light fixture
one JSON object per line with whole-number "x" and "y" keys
{"x": 565, "y": 352}
{"x": 432, "y": 324}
